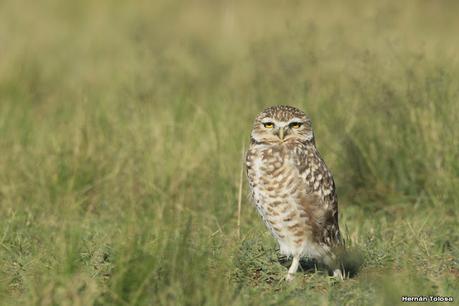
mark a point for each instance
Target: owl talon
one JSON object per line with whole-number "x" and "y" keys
{"x": 289, "y": 277}
{"x": 338, "y": 275}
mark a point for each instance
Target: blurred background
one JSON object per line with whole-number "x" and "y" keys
{"x": 122, "y": 127}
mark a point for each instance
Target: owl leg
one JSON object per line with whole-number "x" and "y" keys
{"x": 293, "y": 268}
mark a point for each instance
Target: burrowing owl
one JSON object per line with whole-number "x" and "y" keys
{"x": 292, "y": 188}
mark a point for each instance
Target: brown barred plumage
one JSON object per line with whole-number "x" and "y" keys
{"x": 292, "y": 188}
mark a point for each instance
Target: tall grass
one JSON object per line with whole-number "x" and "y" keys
{"x": 121, "y": 130}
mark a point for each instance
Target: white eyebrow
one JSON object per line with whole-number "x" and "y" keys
{"x": 277, "y": 122}
{"x": 295, "y": 120}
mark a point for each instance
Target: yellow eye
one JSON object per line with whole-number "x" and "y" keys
{"x": 268, "y": 125}
{"x": 295, "y": 125}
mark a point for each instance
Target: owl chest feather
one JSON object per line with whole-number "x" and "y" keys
{"x": 286, "y": 191}
{"x": 275, "y": 186}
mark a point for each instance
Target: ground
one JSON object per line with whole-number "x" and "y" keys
{"x": 122, "y": 126}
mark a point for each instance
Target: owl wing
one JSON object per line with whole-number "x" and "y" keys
{"x": 319, "y": 201}
{"x": 249, "y": 160}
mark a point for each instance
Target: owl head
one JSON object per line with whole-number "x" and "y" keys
{"x": 281, "y": 123}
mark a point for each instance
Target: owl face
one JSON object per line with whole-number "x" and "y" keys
{"x": 279, "y": 124}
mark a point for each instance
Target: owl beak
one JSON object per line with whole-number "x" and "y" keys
{"x": 281, "y": 133}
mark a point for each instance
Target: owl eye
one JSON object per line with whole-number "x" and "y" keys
{"x": 268, "y": 125}
{"x": 295, "y": 125}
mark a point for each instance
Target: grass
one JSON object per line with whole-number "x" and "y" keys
{"x": 121, "y": 130}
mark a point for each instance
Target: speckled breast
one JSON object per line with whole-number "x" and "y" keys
{"x": 277, "y": 190}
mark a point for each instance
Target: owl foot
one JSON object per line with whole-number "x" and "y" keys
{"x": 338, "y": 275}
{"x": 289, "y": 277}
